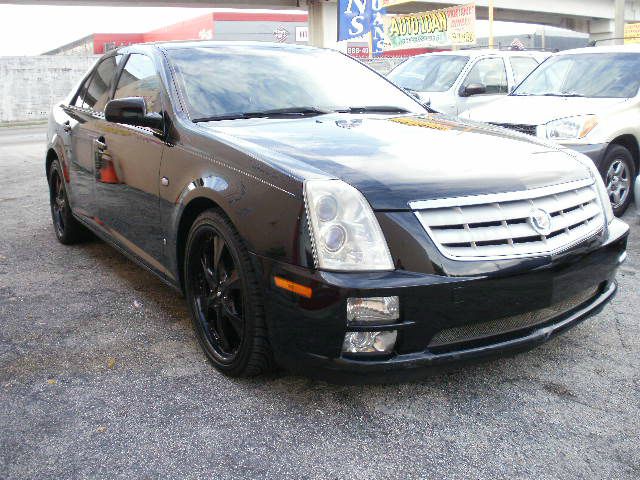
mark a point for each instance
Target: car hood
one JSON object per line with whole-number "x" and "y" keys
{"x": 538, "y": 110}
{"x": 396, "y": 160}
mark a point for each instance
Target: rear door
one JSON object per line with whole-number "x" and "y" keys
{"x": 128, "y": 181}
{"x": 490, "y": 72}
{"x": 85, "y": 127}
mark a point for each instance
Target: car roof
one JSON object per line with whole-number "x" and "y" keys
{"x": 633, "y": 48}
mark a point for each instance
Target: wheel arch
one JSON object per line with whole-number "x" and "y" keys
{"x": 51, "y": 156}
{"x": 195, "y": 205}
{"x": 630, "y": 142}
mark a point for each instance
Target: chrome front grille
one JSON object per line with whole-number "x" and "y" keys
{"x": 503, "y": 225}
{"x": 526, "y": 129}
{"x": 477, "y": 331}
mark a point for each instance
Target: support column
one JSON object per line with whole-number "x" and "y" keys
{"x": 619, "y": 22}
{"x": 323, "y": 23}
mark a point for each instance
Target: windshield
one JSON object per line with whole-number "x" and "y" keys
{"x": 434, "y": 73}
{"x": 224, "y": 81}
{"x": 593, "y": 75}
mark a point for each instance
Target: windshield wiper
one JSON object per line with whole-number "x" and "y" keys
{"x": 297, "y": 111}
{"x": 372, "y": 109}
{"x": 568, "y": 94}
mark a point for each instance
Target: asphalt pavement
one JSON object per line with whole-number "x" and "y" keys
{"x": 101, "y": 377}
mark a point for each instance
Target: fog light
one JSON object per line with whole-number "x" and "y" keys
{"x": 373, "y": 310}
{"x": 369, "y": 342}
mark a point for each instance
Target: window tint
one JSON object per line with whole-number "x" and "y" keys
{"x": 521, "y": 67}
{"x": 226, "y": 80}
{"x": 97, "y": 94}
{"x": 491, "y": 73}
{"x": 139, "y": 79}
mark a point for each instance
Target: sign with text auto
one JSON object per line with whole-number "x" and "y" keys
{"x": 434, "y": 29}
{"x": 632, "y": 33}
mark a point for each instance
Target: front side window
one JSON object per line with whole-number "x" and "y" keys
{"x": 593, "y": 75}
{"x": 139, "y": 79}
{"x": 97, "y": 94}
{"x": 434, "y": 73}
{"x": 521, "y": 67}
{"x": 491, "y": 73}
{"x": 226, "y": 80}
{"x": 79, "y": 99}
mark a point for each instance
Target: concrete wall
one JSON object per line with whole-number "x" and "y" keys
{"x": 30, "y": 85}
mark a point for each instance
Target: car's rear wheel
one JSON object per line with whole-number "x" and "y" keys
{"x": 224, "y": 298}
{"x": 618, "y": 171}
{"x": 68, "y": 229}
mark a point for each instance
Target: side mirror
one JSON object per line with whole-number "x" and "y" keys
{"x": 132, "y": 111}
{"x": 473, "y": 89}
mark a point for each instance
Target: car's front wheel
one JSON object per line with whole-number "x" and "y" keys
{"x": 618, "y": 171}
{"x": 224, "y": 298}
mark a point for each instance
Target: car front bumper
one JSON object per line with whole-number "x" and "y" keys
{"x": 306, "y": 334}
{"x": 594, "y": 151}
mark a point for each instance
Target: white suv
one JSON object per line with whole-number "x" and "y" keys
{"x": 452, "y": 82}
{"x": 586, "y": 99}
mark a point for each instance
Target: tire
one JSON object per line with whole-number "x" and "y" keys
{"x": 225, "y": 299}
{"x": 67, "y": 229}
{"x": 618, "y": 172}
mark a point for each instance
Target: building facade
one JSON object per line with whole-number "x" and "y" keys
{"x": 233, "y": 26}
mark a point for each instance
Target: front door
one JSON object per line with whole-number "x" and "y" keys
{"x": 82, "y": 129}
{"x": 128, "y": 166}
{"x": 491, "y": 73}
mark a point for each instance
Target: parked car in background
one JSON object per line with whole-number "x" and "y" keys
{"x": 587, "y": 99}
{"x": 327, "y": 223}
{"x": 452, "y": 82}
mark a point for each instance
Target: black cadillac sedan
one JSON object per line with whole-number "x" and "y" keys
{"x": 318, "y": 218}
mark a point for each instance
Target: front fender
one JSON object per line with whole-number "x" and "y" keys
{"x": 269, "y": 219}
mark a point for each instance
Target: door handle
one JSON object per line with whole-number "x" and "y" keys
{"x": 100, "y": 145}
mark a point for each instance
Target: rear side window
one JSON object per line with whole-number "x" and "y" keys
{"x": 97, "y": 95}
{"x": 521, "y": 67}
{"x": 491, "y": 73}
{"x": 139, "y": 79}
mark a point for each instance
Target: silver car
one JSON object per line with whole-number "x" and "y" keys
{"x": 453, "y": 82}
{"x": 586, "y": 99}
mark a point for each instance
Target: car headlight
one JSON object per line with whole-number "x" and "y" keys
{"x": 345, "y": 232}
{"x": 571, "y": 128}
{"x": 603, "y": 194}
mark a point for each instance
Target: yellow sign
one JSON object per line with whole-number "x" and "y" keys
{"x": 434, "y": 29}
{"x": 632, "y": 33}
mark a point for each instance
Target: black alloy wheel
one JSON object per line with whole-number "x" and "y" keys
{"x": 224, "y": 298}
{"x": 58, "y": 203}
{"x": 67, "y": 228}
